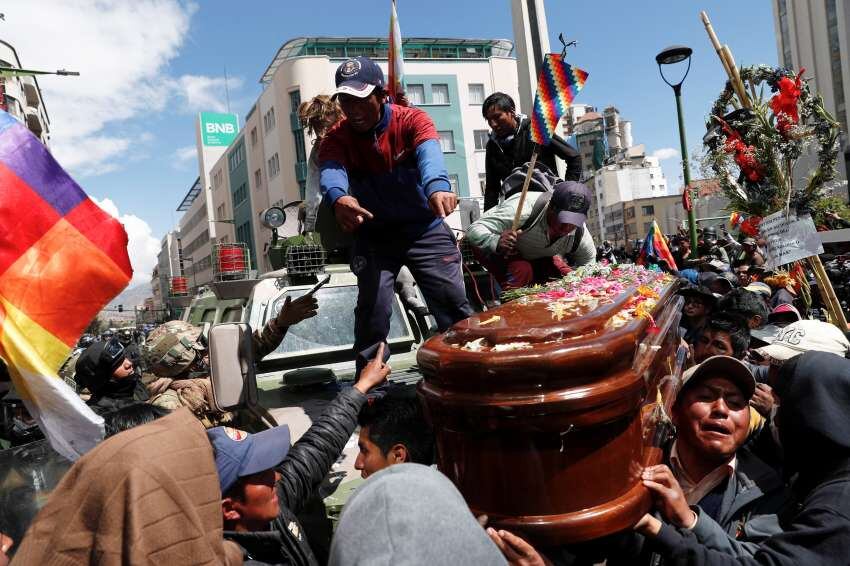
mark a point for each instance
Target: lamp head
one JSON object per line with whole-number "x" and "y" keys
{"x": 673, "y": 54}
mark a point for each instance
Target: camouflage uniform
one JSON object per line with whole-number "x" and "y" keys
{"x": 69, "y": 367}
{"x": 170, "y": 351}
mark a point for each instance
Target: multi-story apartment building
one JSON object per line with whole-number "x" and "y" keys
{"x": 21, "y": 96}
{"x": 195, "y": 243}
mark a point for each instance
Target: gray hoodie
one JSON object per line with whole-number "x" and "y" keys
{"x": 410, "y": 514}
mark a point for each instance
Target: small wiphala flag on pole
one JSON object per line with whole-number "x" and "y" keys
{"x": 557, "y": 87}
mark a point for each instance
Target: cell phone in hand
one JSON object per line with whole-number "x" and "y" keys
{"x": 319, "y": 285}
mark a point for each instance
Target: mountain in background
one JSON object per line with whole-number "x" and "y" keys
{"x": 132, "y": 297}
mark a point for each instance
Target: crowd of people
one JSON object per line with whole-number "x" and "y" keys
{"x": 757, "y": 473}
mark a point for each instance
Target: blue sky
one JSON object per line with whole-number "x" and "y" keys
{"x": 125, "y": 128}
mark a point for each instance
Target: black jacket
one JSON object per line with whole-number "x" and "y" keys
{"x": 815, "y": 434}
{"x": 501, "y": 159}
{"x": 305, "y": 466}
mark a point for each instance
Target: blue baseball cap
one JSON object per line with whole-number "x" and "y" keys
{"x": 358, "y": 77}
{"x": 239, "y": 454}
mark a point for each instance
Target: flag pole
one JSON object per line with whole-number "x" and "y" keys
{"x": 525, "y": 186}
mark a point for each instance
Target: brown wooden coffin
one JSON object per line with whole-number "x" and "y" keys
{"x": 549, "y": 441}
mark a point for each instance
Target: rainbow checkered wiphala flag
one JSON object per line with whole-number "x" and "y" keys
{"x": 557, "y": 87}
{"x": 61, "y": 259}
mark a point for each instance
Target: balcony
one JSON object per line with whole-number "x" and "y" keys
{"x": 34, "y": 121}
{"x": 31, "y": 94}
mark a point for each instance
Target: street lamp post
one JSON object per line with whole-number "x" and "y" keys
{"x": 669, "y": 56}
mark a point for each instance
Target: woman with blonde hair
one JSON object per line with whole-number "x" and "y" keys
{"x": 318, "y": 115}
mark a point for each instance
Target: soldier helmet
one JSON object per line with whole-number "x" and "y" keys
{"x": 172, "y": 347}
{"x": 85, "y": 341}
{"x": 125, "y": 335}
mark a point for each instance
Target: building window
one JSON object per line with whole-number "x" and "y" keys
{"x": 243, "y": 233}
{"x": 240, "y": 195}
{"x": 646, "y": 227}
{"x": 481, "y": 137}
{"x": 476, "y": 94}
{"x": 647, "y": 210}
{"x": 269, "y": 120}
{"x": 439, "y": 94}
{"x": 258, "y": 178}
{"x": 237, "y": 156}
{"x": 416, "y": 94}
{"x": 294, "y": 101}
{"x": 217, "y": 179}
{"x": 273, "y": 166}
{"x": 447, "y": 141}
{"x": 220, "y": 212}
{"x": 630, "y": 212}
{"x": 784, "y": 34}
{"x": 253, "y": 136}
{"x": 453, "y": 181}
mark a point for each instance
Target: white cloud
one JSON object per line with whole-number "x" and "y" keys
{"x": 206, "y": 93}
{"x": 665, "y": 153}
{"x": 92, "y": 155}
{"x": 185, "y": 155}
{"x": 121, "y": 50}
{"x": 142, "y": 246}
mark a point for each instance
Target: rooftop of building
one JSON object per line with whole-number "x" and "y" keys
{"x": 377, "y": 47}
{"x": 589, "y": 116}
{"x": 190, "y": 197}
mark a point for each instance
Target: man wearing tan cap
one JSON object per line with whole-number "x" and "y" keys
{"x": 722, "y": 493}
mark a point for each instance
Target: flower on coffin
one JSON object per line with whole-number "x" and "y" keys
{"x": 556, "y": 294}
{"x": 558, "y": 309}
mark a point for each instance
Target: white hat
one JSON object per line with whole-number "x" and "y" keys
{"x": 806, "y": 335}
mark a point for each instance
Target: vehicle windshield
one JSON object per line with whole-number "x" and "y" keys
{"x": 27, "y": 476}
{"x": 333, "y": 327}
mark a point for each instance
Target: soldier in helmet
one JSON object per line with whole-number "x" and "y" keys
{"x": 708, "y": 249}
{"x": 131, "y": 348}
{"x": 178, "y": 359}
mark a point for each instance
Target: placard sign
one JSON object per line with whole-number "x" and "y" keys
{"x": 789, "y": 238}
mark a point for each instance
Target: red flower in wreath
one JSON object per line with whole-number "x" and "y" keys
{"x": 750, "y": 226}
{"x": 744, "y": 155}
{"x": 784, "y": 103}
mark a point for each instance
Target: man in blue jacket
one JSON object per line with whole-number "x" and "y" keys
{"x": 382, "y": 172}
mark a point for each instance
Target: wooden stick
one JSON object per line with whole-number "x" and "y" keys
{"x": 827, "y": 293}
{"x": 714, "y": 41}
{"x": 727, "y": 62}
{"x": 525, "y": 186}
{"x": 737, "y": 83}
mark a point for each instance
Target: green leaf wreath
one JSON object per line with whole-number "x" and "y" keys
{"x": 753, "y": 151}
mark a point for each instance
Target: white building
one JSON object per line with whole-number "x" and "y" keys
{"x": 632, "y": 176}
{"x": 194, "y": 241}
{"x": 21, "y": 96}
{"x": 815, "y": 35}
{"x": 168, "y": 266}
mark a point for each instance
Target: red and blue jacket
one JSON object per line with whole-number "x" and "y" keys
{"x": 391, "y": 170}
